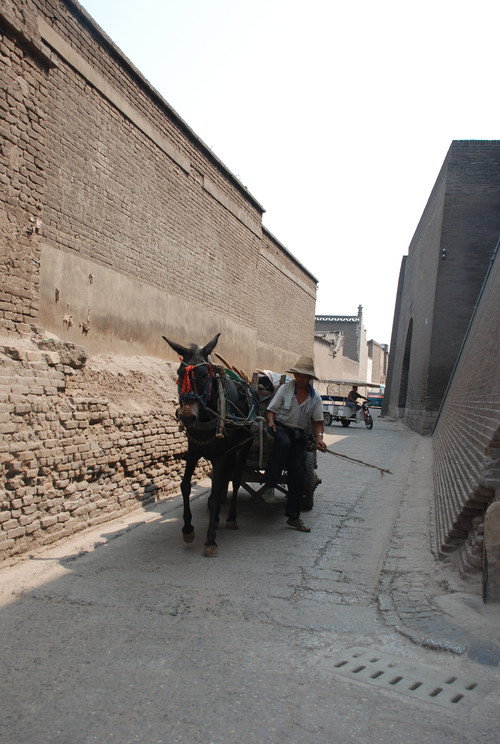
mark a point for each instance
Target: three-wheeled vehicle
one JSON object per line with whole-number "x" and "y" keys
{"x": 335, "y": 408}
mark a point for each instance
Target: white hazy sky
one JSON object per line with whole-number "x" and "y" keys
{"x": 336, "y": 116}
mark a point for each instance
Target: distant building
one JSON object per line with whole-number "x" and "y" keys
{"x": 342, "y": 353}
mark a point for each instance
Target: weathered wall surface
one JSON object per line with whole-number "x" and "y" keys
{"x": 440, "y": 290}
{"x": 81, "y": 440}
{"x": 443, "y": 273}
{"x": 121, "y": 225}
{"x": 466, "y": 439}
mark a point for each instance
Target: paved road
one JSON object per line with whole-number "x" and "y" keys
{"x": 125, "y": 634}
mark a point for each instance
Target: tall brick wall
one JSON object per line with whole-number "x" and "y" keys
{"x": 283, "y": 287}
{"x": 466, "y": 438}
{"x": 443, "y": 273}
{"x": 140, "y": 230}
{"x": 24, "y": 71}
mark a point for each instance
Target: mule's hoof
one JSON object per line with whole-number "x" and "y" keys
{"x": 232, "y": 524}
{"x": 188, "y": 537}
{"x": 210, "y": 551}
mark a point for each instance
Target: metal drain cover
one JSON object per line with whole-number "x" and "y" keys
{"x": 414, "y": 680}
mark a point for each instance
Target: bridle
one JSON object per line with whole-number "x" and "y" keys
{"x": 188, "y": 388}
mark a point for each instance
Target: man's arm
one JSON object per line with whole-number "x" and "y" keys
{"x": 270, "y": 420}
{"x": 318, "y": 435}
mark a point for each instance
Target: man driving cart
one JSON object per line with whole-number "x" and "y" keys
{"x": 293, "y": 409}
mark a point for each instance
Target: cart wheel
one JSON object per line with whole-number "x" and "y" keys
{"x": 344, "y": 422}
{"x": 309, "y": 483}
{"x": 327, "y": 418}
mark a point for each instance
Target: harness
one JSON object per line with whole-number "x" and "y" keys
{"x": 189, "y": 393}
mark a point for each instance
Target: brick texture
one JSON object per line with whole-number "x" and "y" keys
{"x": 102, "y": 171}
{"x": 466, "y": 439}
{"x": 69, "y": 459}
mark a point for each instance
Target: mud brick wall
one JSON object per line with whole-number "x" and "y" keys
{"x": 466, "y": 439}
{"x": 69, "y": 461}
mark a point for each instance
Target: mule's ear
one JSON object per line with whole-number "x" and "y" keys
{"x": 181, "y": 350}
{"x": 208, "y": 348}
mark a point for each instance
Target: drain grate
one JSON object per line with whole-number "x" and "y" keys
{"x": 416, "y": 680}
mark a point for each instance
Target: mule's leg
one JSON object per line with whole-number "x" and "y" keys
{"x": 191, "y": 463}
{"x": 219, "y": 487}
{"x": 223, "y": 497}
{"x": 231, "y": 522}
{"x": 240, "y": 459}
{"x": 237, "y": 465}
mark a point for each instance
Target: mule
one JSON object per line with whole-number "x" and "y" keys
{"x": 218, "y": 414}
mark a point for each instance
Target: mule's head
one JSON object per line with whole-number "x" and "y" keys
{"x": 195, "y": 380}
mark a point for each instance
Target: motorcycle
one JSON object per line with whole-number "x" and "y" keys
{"x": 347, "y": 415}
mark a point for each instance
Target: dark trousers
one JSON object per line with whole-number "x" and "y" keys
{"x": 288, "y": 454}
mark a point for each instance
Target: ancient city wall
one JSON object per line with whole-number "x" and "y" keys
{"x": 466, "y": 439}
{"x": 442, "y": 276}
{"x": 121, "y": 225}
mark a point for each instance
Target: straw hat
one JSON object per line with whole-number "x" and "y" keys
{"x": 305, "y": 366}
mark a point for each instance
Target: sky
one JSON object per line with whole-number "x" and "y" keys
{"x": 336, "y": 116}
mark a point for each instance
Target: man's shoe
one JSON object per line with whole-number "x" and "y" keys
{"x": 268, "y": 496}
{"x": 298, "y": 524}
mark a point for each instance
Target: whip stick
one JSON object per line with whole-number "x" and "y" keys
{"x": 359, "y": 462}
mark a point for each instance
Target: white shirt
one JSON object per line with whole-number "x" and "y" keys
{"x": 296, "y": 416}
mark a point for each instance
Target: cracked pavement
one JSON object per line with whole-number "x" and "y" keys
{"x": 126, "y": 634}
